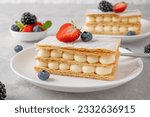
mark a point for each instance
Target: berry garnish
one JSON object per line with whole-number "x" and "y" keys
{"x": 38, "y": 24}
{"x": 43, "y": 75}
{"x": 28, "y": 18}
{"x": 20, "y": 25}
{"x": 120, "y": 7}
{"x": 68, "y": 33}
{"x": 37, "y": 29}
{"x": 28, "y": 28}
{"x": 18, "y": 48}
{"x": 15, "y": 28}
{"x": 86, "y": 36}
{"x": 105, "y": 6}
{"x": 147, "y": 49}
{"x": 2, "y": 91}
{"x": 28, "y": 22}
{"x": 131, "y": 33}
{"x": 46, "y": 25}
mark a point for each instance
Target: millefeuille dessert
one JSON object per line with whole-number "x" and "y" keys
{"x": 113, "y": 20}
{"x": 97, "y": 59}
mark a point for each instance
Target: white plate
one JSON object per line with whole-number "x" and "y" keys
{"x": 125, "y": 39}
{"x": 22, "y": 64}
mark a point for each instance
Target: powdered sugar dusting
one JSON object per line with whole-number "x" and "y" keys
{"x": 126, "y": 13}
{"x": 109, "y": 44}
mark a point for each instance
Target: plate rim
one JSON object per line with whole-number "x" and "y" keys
{"x": 110, "y": 83}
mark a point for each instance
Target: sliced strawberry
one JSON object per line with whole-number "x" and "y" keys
{"x": 120, "y": 7}
{"x": 28, "y": 28}
{"x": 68, "y": 33}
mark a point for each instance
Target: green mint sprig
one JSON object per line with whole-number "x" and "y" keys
{"x": 47, "y": 25}
{"x": 20, "y": 25}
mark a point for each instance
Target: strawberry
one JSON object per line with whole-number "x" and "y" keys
{"x": 120, "y": 7}
{"x": 38, "y": 24}
{"x": 68, "y": 33}
{"x": 28, "y": 28}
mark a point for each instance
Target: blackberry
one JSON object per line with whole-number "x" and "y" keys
{"x": 2, "y": 91}
{"x": 105, "y": 6}
{"x": 28, "y": 18}
{"x": 147, "y": 49}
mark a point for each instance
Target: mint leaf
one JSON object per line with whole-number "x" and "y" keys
{"x": 47, "y": 25}
{"x": 20, "y": 25}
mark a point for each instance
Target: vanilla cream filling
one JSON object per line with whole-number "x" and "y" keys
{"x": 53, "y": 65}
{"x": 88, "y": 69}
{"x": 56, "y": 54}
{"x": 92, "y": 59}
{"x": 107, "y": 28}
{"x": 67, "y": 55}
{"x": 40, "y": 64}
{"x": 107, "y": 59}
{"x": 115, "y": 28}
{"x": 80, "y": 58}
{"x": 115, "y": 19}
{"x": 133, "y": 20}
{"x": 107, "y": 19}
{"x": 133, "y": 28}
{"x": 76, "y": 68}
{"x": 99, "y": 28}
{"x": 89, "y": 28}
{"x": 64, "y": 66}
{"x": 99, "y": 19}
{"x": 43, "y": 53}
{"x": 103, "y": 70}
{"x": 123, "y": 29}
{"x": 90, "y": 19}
{"x": 124, "y": 20}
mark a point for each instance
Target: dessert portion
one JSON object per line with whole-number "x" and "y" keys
{"x": 113, "y": 20}
{"x": 113, "y": 23}
{"x": 97, "y": 59}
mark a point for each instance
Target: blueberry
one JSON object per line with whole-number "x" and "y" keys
{"x": 18, "y": 48}
{"x": 37, "y": 29}
{"x": 43, "y": 75}
{"x": 15, "y": 28}
{"x": 131, "y": 33}
{"x": 147, "y": 49}
{"x": 86, "y": 36}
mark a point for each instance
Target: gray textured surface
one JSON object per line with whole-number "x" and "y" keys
{"x": 20, "y": 89}
{"x": 72, "y": 1}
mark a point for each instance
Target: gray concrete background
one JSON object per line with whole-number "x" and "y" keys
{"x": 73, "y": 1}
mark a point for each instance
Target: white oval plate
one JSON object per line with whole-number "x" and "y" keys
{"x": 125, "y": 39}
{"x": 23, "y": 62}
